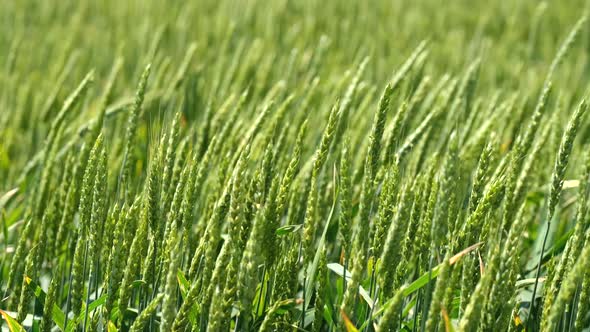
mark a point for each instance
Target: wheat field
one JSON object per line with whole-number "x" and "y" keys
{"x": 294, "y": 165}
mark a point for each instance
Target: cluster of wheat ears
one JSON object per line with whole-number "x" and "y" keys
{"x": 294, "y": 166}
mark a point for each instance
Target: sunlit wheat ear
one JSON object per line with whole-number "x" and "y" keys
{"x": 57, "y": 227}
{"x": 392, "y": 249}
{"x": 436, "y": 306}
{"x": 582, "y": 221}
{"x": 50, "y": 301}
{"x": 223, "y": 286}
{"x": 16, "y": 265}
{"x": 320, "y": 288}
{"x": 523, "y": 144}
{"x": 116, "y": 264}
{"x": 81, "y": 255}
{"x": 390, "y": 320}
{"x": 568, "y": 288}
{"x": 583, "y": 303}
{"x": 143, "y": 319}
{"x": 500, "y": 296}
{"x": 409, "y": 246}
{"x": 292, "y": 169}
{"x": 137, "y": 248}
{"x": 360, "y": 233}
{"x": 206, "y": 253}
{"x": 560, "y": 167}
{"x": 345, "y": 198}
{"x": 171, "y": 285}
{"x": 99, "y": 206}
{"x": 481, "y": 173}
{"x": 321, "y": 154}
{"x": 424, "y": 236}
{"x": 251, "y": 259}
{"x": 574, "y": 244}
{"x": 168, "y": 188}
{"x": 26, "y": 295}
{"x": 130, "y": 131}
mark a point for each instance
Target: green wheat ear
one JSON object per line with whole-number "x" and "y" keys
{"x": 361, "y": 228}
{"x": 345, "y": 198}
{"x": 25, "y": 295}
{"x": 170, "y": 288}
{"x": 321, "y": 154}
{"x": 560, "y": 167}
{"x": 390, "y": 320}
{"x": 130, "y": 132}
{"x": 143, "y": 319}
{"x": 391, "y": 258}
{"x": 50, "y": 300}
{"x": 251, "y": 258}
{"x": 583, "y": 304}
{"x": 568, "y": 288}
{"x": 320, "y": 289}
{"x": 436, "y": 306}
{"x": 228, "y": 261}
